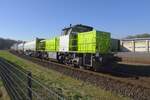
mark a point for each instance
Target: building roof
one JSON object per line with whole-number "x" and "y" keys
{"x": 135, "y": 39}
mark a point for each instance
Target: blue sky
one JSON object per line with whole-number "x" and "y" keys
{"x": 27, "y": 19}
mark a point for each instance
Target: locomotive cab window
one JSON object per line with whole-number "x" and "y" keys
{"x": 76, "y": 29}
{"x": 79, "y": 29}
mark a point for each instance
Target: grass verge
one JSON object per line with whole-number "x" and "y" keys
{"x": 72, "y": 88}
{"x": 3, "y": 92}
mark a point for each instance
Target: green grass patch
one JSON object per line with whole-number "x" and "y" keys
{"x": 3, "y": 93}
{"x": 75, "y": 89}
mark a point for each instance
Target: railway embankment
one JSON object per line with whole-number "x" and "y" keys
{"x": 72, "y": 88}
{"x": 123, "y": 83}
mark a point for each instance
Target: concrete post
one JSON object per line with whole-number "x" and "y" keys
{"x": 133, "y": 46}
{"x": 121, "y": 44}
{"x": 147, "y": 45}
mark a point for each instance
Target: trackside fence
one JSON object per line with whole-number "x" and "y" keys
{"x": 21, "y": 85}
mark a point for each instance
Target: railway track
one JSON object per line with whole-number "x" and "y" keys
{"x": 120, "y": 82}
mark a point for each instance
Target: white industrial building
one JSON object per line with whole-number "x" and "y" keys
{"x": 135, "y": 45}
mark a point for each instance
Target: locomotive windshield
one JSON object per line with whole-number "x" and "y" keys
{"x": 82, "y": 29}
{"x": 76, "y": 29}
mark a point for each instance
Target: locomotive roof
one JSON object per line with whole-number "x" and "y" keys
{"x": 78, "y": 25}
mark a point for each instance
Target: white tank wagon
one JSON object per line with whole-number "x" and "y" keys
{"x": 31, "y": 45}
{"x": 21, "y": 47}
{"x": 14, "y": 47}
